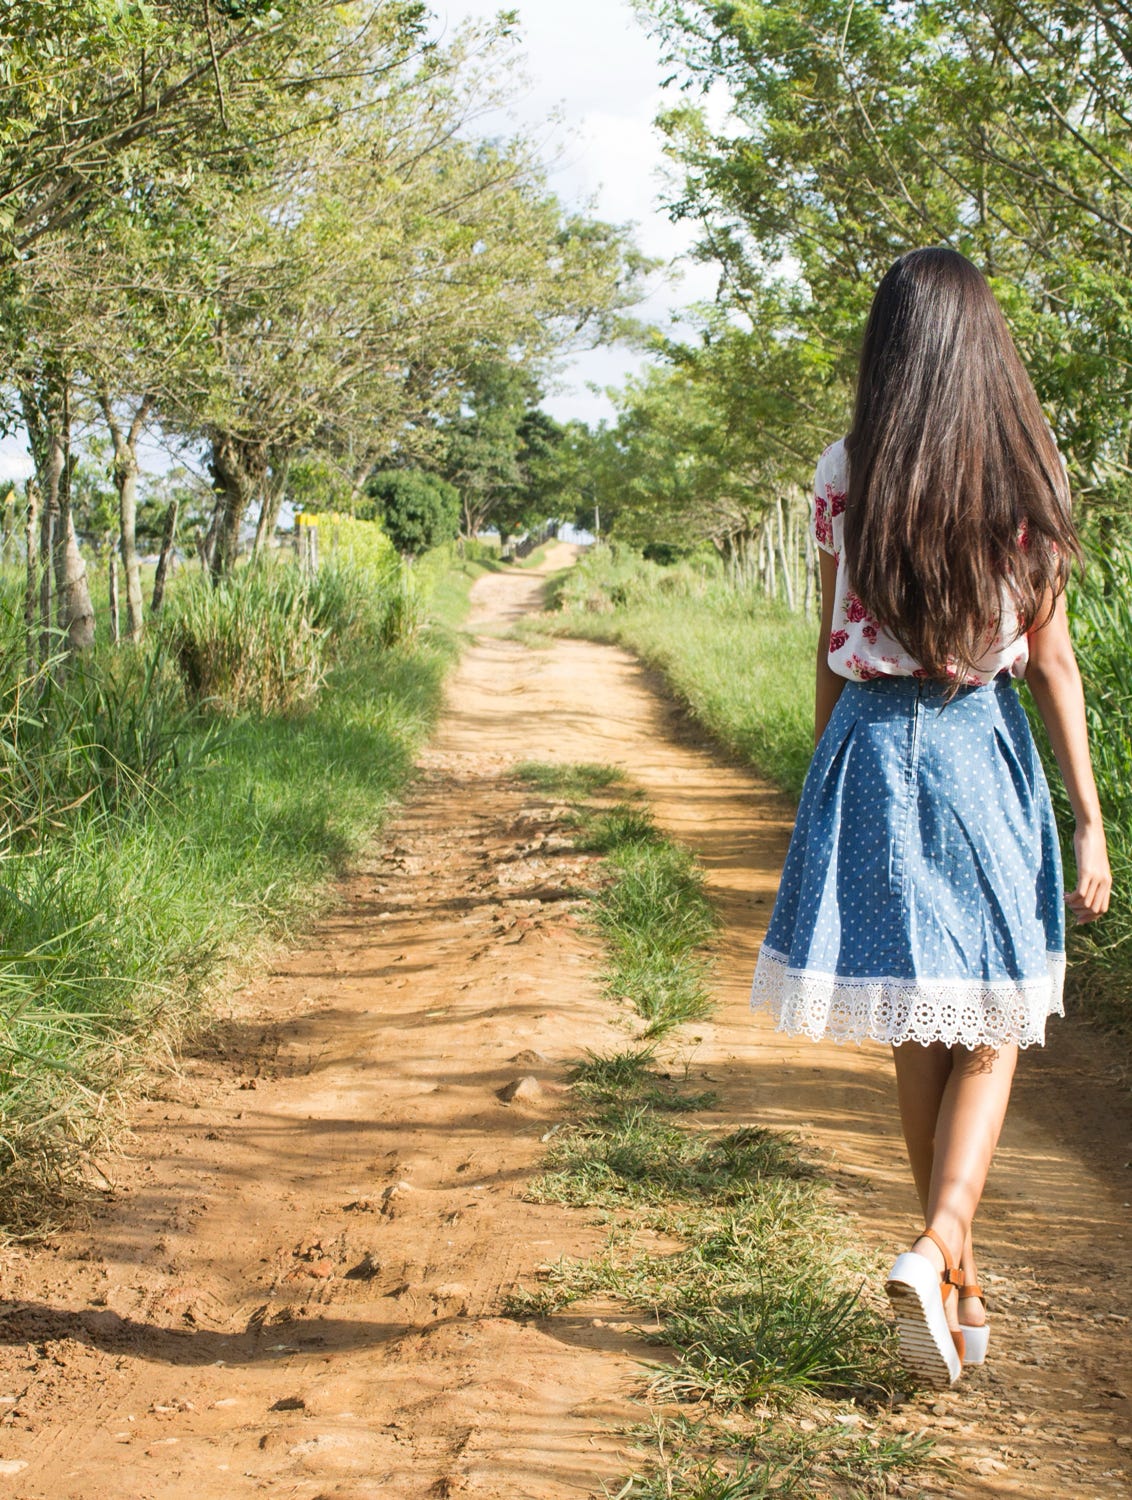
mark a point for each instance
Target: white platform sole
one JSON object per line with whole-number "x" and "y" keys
{"x": 975, "y": 1341}
{"x": 927, "y": 1349}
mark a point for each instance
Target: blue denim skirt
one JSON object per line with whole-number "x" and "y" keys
{"x": 922, "y": 897}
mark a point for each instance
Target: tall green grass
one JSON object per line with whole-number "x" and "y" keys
{"x": 264, "y": 638}
{"x": 153, "y": 845}
{"x": 1100, "y": 622}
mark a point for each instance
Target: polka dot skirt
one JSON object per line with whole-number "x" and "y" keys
{"x": 922, "y": 898}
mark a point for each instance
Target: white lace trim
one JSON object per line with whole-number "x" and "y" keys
{"x": 964, "y": 1012}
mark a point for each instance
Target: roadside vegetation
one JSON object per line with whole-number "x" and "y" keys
{"x": 171, "y": 809}
{"x": 770, "y": 1342}
{"x": 742, "y": 664}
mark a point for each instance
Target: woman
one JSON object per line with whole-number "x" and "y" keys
{"x": 921, "y": 901}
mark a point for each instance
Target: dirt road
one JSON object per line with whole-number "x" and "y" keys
{"x": 295, "y": 1286}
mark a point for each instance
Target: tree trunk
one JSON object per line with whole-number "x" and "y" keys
{"x": 163, "y": 561}
{"x": 808, "y": 595}
{"x": 76, "y": 612}
{"x": 115, "y": 619}
{"x": 31, "y": 591}
{"x": 126, "y": 483}
{"x": 783, "y": 559}
{"x": 45, "y": 399}
{"x": 9, "y": 555}
{"x": 273, "y": 493}
{"x": 358, "y": 485}
{"x": 47, "y": 525}
{"x": 238, "y": 470}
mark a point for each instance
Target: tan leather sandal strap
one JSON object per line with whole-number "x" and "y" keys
{"x": 952, "y": 1277}
{"x": 971, "y": 1290}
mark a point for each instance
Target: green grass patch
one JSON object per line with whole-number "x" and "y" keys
{"x": 650, "y": 906}
{"x": 705, "y": 1458}
{"x": 571, "y": 782}
{"x": 768, "y": 1314}
{"x": 655, "y": 918}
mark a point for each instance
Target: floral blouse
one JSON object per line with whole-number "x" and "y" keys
{"x": 859, "y": 647}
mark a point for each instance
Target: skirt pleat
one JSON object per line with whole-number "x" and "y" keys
{"x": 922, "y": 898}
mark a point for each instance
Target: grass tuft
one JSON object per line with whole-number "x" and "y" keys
{"x": 763, "y": 1307}
{"x": 656, "y": 919}
{"x": 570, "y": 781}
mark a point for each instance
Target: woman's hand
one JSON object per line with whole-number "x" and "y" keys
{"x": 1090, "y": 897}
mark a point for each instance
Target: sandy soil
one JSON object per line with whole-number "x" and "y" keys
{"x": 294, "y": 1286}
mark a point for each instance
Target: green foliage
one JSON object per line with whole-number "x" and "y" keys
{"x": 419, "y": 511}
{"x": 860, "y": 131}
{"x": 1100, "y": 620}
{"x": 500, "y": 451}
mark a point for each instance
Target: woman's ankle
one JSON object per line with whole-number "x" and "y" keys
{"x": 972, "y": 1313}
{"x": 936, "y": 1250}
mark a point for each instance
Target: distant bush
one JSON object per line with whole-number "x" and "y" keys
{"x": 418, "y": 510}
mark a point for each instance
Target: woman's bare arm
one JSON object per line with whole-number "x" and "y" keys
{"x": 1055, "y": 682}
{"x": 829, "y": 684}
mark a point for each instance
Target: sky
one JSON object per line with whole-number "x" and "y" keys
{"x": 590, "y": 63}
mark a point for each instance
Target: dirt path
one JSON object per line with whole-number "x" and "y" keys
{"x": 295, "y": 1286}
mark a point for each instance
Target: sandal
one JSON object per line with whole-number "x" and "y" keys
{"x": 932, "y": 1353}
{"x": 976, "y": 1336}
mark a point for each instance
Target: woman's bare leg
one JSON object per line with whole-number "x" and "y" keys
{"x": 921, "y": 1077}
{"x": 952, "y": 1105}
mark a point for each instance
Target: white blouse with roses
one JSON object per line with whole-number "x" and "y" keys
{"x": 859, "y": 647}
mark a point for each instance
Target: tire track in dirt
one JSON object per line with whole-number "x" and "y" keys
{"x": 294, "y": 1287}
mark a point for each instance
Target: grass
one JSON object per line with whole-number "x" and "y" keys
{"x": 160, "y": 849}
{"x": 651, "y": 909}
{"x": 771, "y": 1342}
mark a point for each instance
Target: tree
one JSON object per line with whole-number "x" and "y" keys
{"x": 861, "y": 130}
{"x": 419, "y": 511}
{"x": 101, "y": 100}
{"x": 482, "y": 443}
{"x": 373, "y": 278}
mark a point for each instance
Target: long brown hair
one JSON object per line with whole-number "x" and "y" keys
{"x": 956, "y": 487}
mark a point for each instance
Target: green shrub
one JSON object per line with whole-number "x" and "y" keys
{"x": 419, "y": 511}
{"x": 264, "y": 638}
